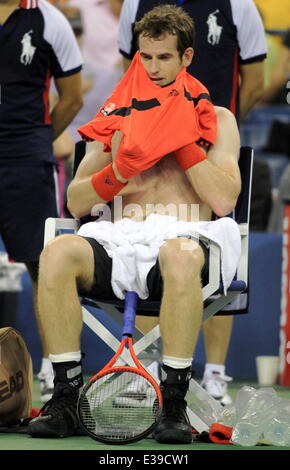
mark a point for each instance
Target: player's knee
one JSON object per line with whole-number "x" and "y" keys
{"x": 60, "y": 255}
{"x": 181, "y": 258}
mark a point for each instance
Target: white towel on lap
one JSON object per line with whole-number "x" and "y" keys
{"x": 134, "y": 246}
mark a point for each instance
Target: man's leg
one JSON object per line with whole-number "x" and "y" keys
{"x": 181, "y": 263}
{"x": 217, "y": 333}
{"x": 45, "y": 375}
{"x": 23, "y": 233}
{"x": 66, "y": 265}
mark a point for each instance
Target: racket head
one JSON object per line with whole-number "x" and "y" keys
{"x": 123, "y": 423}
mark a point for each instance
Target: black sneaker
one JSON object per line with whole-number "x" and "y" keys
{"x": 174, "y": 426}
{"x": 59, "y": 415}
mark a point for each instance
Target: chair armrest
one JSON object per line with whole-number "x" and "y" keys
{"x": 244, "y": 229}
{"x": 52, "y": 225}
{"x": 214, "y": 271}
{"x": 242, "y": 270}
{"x": 220, "y": 301}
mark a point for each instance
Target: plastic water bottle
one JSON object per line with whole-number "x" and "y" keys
{"x": 277, "y": 428}
{"x": 252, "y": 410}
{"x": 243, "y": 398}
{"x": 245, "y": 434}
{"x": 228, "y": 416}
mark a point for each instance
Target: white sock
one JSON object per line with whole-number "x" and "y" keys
{"x": 212, "y": 369}
{"x": 66, "y": 357}
{"x": 177, "y": 362}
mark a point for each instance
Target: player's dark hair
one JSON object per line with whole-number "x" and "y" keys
{"x": 168, "y": 19}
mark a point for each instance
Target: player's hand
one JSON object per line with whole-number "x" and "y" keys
{"x": 131, "y": 162}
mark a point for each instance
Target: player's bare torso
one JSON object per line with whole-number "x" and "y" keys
{"x": 163, "y": 189}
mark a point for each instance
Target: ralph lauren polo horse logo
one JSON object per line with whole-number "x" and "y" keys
{"x": 214, "y": 30}
{"x": 28, "y": 50}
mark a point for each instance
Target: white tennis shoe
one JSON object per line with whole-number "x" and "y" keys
{"x": 138, "y": 393}
{"x": 216, "y": 385}
{"x": 46, "y": 385}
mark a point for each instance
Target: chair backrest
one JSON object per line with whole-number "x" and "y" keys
{"x": 80, "y": 150}
{"x": 242, "y": 209}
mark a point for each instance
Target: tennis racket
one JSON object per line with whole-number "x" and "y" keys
{"x": 99, "y": 416}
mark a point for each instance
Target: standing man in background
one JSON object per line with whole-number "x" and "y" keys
{"x": 229, "y": 60}
{"x": 36, "y": 44}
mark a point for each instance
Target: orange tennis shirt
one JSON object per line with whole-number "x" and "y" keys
{"x": 154, "y": 120}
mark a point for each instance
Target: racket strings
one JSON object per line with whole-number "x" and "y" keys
{"x": 119, "y": 406}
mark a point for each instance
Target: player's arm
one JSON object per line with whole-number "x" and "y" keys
{"x": 85, "y": 189}
{"x": 216, "y": 177}
{"x": 251, "y": 86}
{"x": 69, "y": 102}
{"x": 252, "y": 52}
{"x": 126, "y": 38}
{"x": 65, "y": 64}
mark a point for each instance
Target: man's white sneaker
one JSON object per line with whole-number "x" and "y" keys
{"x": 46, "y": 385}
{"x": 137, "y": 394}
{"x": 216, "y": 385}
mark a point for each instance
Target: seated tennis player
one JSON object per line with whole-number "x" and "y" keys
{"x": 167, "y": 159}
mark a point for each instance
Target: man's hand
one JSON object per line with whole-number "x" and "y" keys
{"x": 132, "y": 164}
{"x": 127, "y": 165}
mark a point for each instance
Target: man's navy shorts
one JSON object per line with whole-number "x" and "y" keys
{"x": 27, "y": 198}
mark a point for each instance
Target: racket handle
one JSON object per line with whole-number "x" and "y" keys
{"x": 131, "y": 299}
